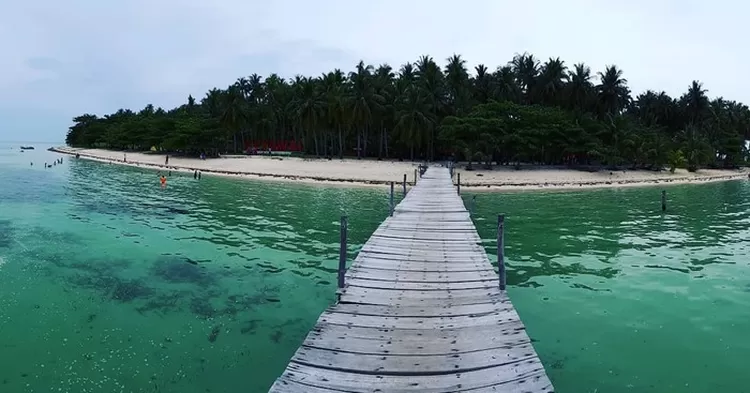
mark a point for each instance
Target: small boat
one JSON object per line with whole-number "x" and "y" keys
{"x": 27, "y": 147}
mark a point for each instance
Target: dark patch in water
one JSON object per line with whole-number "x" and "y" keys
{"x": 250, "y": 326}
{"x": 178, "y": 269}
{"x": 163, "y": 303}
{"x": 6, "y": 233}
{"x": 129, "y": 290}
{"x": 91, "y": 318}
{"x": 202, "y": 307}
{"x": 324, "y": 282}
{"x": 214, "y": 334}
{"x": 276, "y": 336}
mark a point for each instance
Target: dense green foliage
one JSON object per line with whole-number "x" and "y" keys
{"x": 525, "y": 111}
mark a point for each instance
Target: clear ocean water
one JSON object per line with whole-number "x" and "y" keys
{"x": 109, "y": 283}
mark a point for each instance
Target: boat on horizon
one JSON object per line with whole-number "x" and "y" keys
{"x": 27, "y": 147}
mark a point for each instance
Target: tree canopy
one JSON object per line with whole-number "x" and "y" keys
{"x": 523, "y": 111}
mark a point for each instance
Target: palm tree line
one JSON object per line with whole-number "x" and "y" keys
{"x": 523, "y": 111}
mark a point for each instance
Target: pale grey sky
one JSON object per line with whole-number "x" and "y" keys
{"x": 60, "y": 59}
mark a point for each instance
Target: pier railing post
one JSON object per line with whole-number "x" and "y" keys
{"x": 501, "y": 250}
{"x": 404, "y": 184}
{"x": 392, "y": 206}
{"x": 663, "y": 200}
{"x": 458, "y": 188}
{"x": 342, "y": 250}
{"x": 415, "y": 177}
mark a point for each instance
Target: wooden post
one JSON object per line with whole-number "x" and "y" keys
{"x": 459, "y": 184}
{"x": 501, "y": 250}
{"x": 404, "y": 184}
{"x": 663, "y": 200}
{"x": 392, "y": 207}
{"x": 415, "y": 177}
{"x": 342, "y": 250}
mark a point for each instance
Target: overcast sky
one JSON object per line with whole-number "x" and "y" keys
{"x": 59, "y": 59}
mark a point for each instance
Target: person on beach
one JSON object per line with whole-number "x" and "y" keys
{"x": 166, "y": 160}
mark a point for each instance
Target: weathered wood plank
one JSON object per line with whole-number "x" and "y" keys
{"x": 497, "y": 318}
{"x": 411, "y": 341}
{"x": 519, "y": 374}
{"x": 414, "y": 364}
{"x": 358, "y": 271}
{"x": 503, "y": 304}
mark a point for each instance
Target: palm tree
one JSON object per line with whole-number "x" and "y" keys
{"x": 552, "y": 80}
{"x": 431, "y": 81}
{"x": 580, "y": 89}
{"x": 526, "y": 70}
{"x": 364, "y": 101}
{"x": 482, "y": 84}
{"x": 613, "y": 92}
{"x": 384, "y": 87}
{"x": 334, "y": 88}
{"x": 458, "y": 85}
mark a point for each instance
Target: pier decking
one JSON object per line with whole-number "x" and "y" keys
{"x": 421, "y": 312}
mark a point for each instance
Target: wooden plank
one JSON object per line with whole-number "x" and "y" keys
{"x": 422, "y": 286}
{"x": 520, "y": 374}
{"x": 411, "y": 341}
{"x": 501, "y": 305}
{"x": 420, "y": 258}
{"x": 417, "y": 323}
{"x": 414, "y": 364}
{"x": 424, "y": 276}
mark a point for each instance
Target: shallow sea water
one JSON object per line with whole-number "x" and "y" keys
{"x": 109, "y": 283}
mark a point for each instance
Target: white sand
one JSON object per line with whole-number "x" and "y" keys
{"x": 364, "y": 172}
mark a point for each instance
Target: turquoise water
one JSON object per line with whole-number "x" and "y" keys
{"x": 109, "y": 283}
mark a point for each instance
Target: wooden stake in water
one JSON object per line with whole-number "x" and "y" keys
{"x": 392, "y": 207}
{"x": 663, "y": 200}
{"x": 404, "y": 184}
{"x": 342, "y": 250}
{"x": 459, "y": 184}
{"x": 501, "y": 250}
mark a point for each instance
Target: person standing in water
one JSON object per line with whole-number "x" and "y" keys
{"x": 163, "y": 180}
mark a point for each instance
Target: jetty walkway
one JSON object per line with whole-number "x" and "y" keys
{"x": 421, "y": 311}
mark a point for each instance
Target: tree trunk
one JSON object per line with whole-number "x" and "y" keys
{"x": 385, "y": 138}
{"x": 364, "y": 147}
{"x": 380, "y": 145}
{"x": 341, "y": 144}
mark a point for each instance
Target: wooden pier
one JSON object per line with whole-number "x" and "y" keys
{"x": 421, "y": 311}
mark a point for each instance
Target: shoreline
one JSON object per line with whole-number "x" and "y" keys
{"x": 369, "y": 173}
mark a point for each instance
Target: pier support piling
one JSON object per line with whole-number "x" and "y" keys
{"x": 501, "y": 250}
{"x": 404, "y": 184}
{"x": 458, "y": 188}
{"x": 663, "y": 200}
{"x": 342, "y": 250}
{"x": 391, "y": 205}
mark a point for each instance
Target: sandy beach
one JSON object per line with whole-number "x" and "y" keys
{"x": 372, "y": 172}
